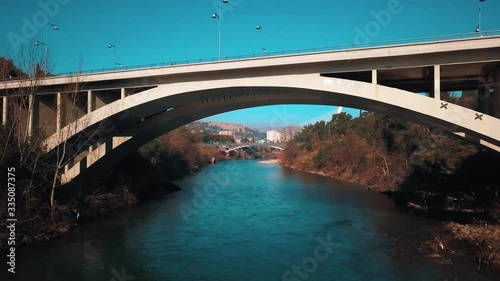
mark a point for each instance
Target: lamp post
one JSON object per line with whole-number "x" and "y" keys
{"x": 37, "y": 44}
{"x": 259, "y": 29}
{"x": 46, "y": 43}
{"x": 478, "y": 28}
{"x": 111, "y": 46}
{"x": 218, "y": 16}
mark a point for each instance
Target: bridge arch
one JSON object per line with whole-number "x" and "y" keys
{"x": 151, "y": 113}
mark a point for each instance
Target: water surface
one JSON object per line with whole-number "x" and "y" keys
{"x": 243, "y": 220}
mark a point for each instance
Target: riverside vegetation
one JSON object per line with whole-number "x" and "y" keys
{"x": 426, "y": 172}
{"x": 142, "y": 175}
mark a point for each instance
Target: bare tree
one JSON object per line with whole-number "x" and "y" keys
{"x": 22, "y": 140}
{"x": 25, "y": 137}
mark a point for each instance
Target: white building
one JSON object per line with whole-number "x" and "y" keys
{"x": 273, "y": 136}
{"x": 227, "y": 133}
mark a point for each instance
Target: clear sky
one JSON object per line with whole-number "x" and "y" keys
{"x": 153, "y": 31}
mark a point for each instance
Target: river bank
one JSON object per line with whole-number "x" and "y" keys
{"x": 477, "y": 242}
{"x": 81, "y": 203}
{"x": 141, "y": 176}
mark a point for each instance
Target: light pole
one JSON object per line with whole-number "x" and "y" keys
{"x": 46, "y": 44}
{"x": 38, "y": 43}
{"x": 478, "y": 28}
{"x": 111, "y": 46}
{"x": 259, "y": 29}
{"x": 219, "y": 18}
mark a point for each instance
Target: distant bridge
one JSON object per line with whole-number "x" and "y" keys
{"x": 235, "y": 146}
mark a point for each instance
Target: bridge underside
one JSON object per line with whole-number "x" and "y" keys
{"x": 145, "y": 116}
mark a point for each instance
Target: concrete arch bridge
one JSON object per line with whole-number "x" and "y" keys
{"x": 114, "y": 113}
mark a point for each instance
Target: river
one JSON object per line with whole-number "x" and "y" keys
{"x": 244, "y": 220}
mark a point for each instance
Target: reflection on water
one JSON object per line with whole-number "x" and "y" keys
{"x": 242, "y": 220}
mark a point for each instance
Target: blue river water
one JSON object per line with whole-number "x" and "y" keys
{"x": 245, "y": 220}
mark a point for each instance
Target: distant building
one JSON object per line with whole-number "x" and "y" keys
{"x": 273, "y": 136}
{"x": 227, "y": 133}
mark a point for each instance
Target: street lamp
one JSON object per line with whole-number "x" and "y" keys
{"x": 46, "y": 43}
{"x": 478, "y": 28}
{"x": 38, "y": 43}
{"x": 111, "y": 46}
{"x": 55, "y": 26}
{"x": 219, "y": 18}
{"x": 259, "y": 29}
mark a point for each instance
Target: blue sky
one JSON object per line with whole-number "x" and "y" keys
{"x": 153, "y": 31}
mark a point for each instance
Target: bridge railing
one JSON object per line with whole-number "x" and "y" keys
{"x": 290, "y": 52}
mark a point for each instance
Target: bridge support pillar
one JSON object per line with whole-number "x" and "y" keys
{"x": 374, "y": 76}
{"x": 496, "y": 93}
{"x": 58, "y": 112}
{"x": 123, "y": 93}
{"x": 437, "y": 82}
{"x": 47, "y": 112}
{"x": 33, "y": 114}
{"x": 99, "y": 99}
{"x": 4, "y": 110}
{"x": 90, "y": 102}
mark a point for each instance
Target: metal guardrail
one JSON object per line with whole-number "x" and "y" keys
{"x": 398, "y": 42}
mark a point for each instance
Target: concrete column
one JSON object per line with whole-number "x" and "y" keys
{"x": 32, "y": 114}
{"x": 90, "y": 99}
{"x": 124, "y": 93}
{"x": 58, "y": 112}
{"x": 437, "y": 82}
{"x": 123, "y": 96}
{"x": 374, "y": 77}
{"x": 496, "y": 94}
{"x": 4, "y": 111}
